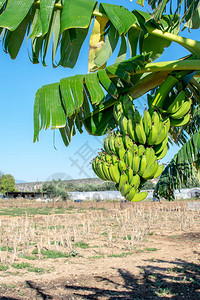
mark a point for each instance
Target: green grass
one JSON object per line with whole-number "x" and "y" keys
{"x": 82, "y": 245}
{"x": 3, "y": 267}
{"x": 36, "y": 270}
{"x": 15, "y": 211}
{"x": 123, "y": 254}
{"x": 21, "y": 265}
{"x": 53, "y": 243}
{"x": 105, "y": 233}
{"x": 151, "y": 259}
{"x": 56, "y": 227}
{"x": 96, "y": 256}
{"x": 128, "y": 237}
{"x": 175, "y": 236}
{"x": 150, "y": 233}
{"x": 10, "y": 249}
{"x": 151, "y": 249}
{"x": 8, "y": 286}
{"x": 52, "y": 254}
{"x": 29, "y": 257}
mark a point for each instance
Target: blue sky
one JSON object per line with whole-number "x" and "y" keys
{"x": 29, "y": 161}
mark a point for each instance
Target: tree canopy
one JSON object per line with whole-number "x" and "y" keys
{"x": 7, "y": 183}
{"x": 87, "y": 101}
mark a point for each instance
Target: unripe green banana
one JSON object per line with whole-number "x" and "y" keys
{"x": 122, "y": 180}
{"x": 152, "y": 135}
{"x": 108, "y": 158}
{"x": 131, "y": 194}
{"x": 125, "y": 189}
{"x": 135, "y": 181}
{"x": 161, "y": 134}
{"x": 183, "y": 110}
{"x": 111, "y": 143}
{"x": 150, "y": 155}
{"x": 128, "y": 143}
{"x": 155, "y": 119}
{"x": 159, "y": 171}
{"x": 106, "y": 145}
{"x": 129, "y": 173}
{"x": 138, "y": 117}
{"x": 152, "y": 158}
{"x": 134, "y": 149}
{"x": 164, "y": 90}
{"x": 128, "y": 107}
{"x": 131, "y": 130}
{"x": 128, "y": 158}
{"x": 160, "y": 147}
{"x": 95, "y": 169}
{"x": 139, "y": 196}
{"x": 162, "y": 153}
{"x": 105, "y": 169}
{"x": 115, "y": 174}
{"x": 121, "y": 152}
{"x": 177, "y": 103}
{"x": 147, "y": 122}
{"x": 118, "y": 144}
{"x": 124, "y": 124}
{"x": 143, "y": 164}
{"x": 118, "y": 111}
{"x": 141, "y": 150}
{"x": 100, "y": 169}
{"x": 181, "y": 122}
{"x": 115, "y": 159}
{"x": 166, "y": 122}
{"x": 150, "y": 171}
{"x": 141, "y": 136}
{"x": 122, "y": 166}
{"x": 135, "y": 164}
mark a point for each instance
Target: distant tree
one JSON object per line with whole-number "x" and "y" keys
{"x": 7, "y": 183}
{"x": 50, "y": 188}
{"x": 149, "y": 185}
{"x": 55, "y": 189}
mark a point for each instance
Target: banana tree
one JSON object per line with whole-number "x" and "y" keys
{"x": 87, "y": 101}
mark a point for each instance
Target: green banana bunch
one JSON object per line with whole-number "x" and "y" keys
{"x": 130, "y": 155}
{"x": 178, "y": 110}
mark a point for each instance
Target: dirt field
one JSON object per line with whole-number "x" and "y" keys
{"x": 99, "y": 250}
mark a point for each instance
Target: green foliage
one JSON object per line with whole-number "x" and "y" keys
{"x": 183, "y": 170}
{"x": 148, "y": 185}
{"x": 21, "y": 265}
{"x": 51, "y": 253}
{"x": 35, "y": 269}
{"x": 88, "y": 187}
{"x": 80, "y": 100}
{"x": 3, "y": 267}
{"x": 82, "y": 245}
{"x": 55, "y": 189}
{"x": 7, "y": 184}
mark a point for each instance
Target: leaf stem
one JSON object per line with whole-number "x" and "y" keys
{"x": 185, "y": 42}
{"x": 174, "y": 65}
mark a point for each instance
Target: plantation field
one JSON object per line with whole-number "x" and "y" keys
{"x": 99, "y": 250}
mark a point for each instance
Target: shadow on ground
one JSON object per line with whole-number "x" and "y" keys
{"x": 179, "y": 280}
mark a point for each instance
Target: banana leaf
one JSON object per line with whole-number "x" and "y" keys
{"x": 67, "y": 23}
{"x": 181, "y": 171}
{"x": 189, "y": 9}
{"x": 81, "y": 97}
